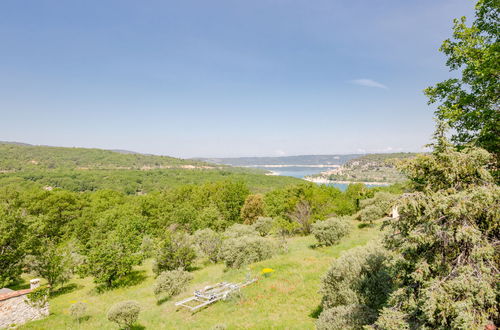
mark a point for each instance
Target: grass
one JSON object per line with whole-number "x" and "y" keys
{"x": 286, "y": 300}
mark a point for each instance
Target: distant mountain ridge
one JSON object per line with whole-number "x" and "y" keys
{"x": 284, "y": 160}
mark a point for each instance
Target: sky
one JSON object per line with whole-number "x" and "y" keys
{"x": 223, "y": 78}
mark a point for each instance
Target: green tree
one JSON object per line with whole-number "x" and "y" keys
{"x": 110, "y": 259}
{"x": 174, "y": 251}
{"x": 470, "y": 103}
{"x": 51, "y": 262}
{"x": 447, "y": 238}
{"x": 13, "y": 232}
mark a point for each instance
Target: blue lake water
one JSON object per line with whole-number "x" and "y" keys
{"x": 301, "y": 172}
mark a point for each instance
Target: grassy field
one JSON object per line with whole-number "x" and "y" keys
{"x": 286, "y": 300}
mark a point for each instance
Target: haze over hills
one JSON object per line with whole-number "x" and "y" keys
{"x": 284, "y": 160}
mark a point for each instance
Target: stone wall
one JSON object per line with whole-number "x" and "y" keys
{"x": 15, "y": 310}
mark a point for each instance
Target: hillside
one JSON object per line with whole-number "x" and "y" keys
{"x": 372, "y": 168}
{"x": 81, "y": 169}
{"x": 17, "y": 157}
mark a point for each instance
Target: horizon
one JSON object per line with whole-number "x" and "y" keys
{"x": 201, "y": 157}
{"x": 223, "y": 80}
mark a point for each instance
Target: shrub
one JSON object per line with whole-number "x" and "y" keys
{"x": 356, "y": 285}
{"x": 345, "y": 317}
{"x": 377, "y": 207}
{"x": 174, "y": 252}
{"x": 240, "y": 251}
{"x": 329, "y": 232}
{"x": 124, "y": 313}
{"x": 239, "y": 230}
{"x": 263, "y": 225}
{"x": 171, "y": 283}
{"x": 78, "y": 311}
{"x": 209, "y": 243}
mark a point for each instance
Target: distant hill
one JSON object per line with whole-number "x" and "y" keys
{"x": 17, "y": 156}
{"x": 286, "y": 160}
{"x": 371, "y": 168}
{"x": 83, "y": 169}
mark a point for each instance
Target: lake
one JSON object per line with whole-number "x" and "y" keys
{"x": 301, "y": 172}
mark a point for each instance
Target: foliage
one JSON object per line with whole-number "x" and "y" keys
{"x": 239, "y": 230}
{"x": 342, "y": 317}
{"x": 175, "y": 251}
{"x": 447, "y": 239}
{"x": 38, "y": 297}
{"x": 329, "y": 232}
{"x": 209, "y": 243}
{"x": 377, "y": 207}
{"x": 263, "y": 225}
{"x": 13, "y": 231}
{"x": 243, "y": 250}
{"x": 469, "y": 103}
{"x": 110, "y": 259}
{"x": 252, "y": 209}
{"x": 124, "y": 313}
{"x": 51, "y": 262}
{"x": 78, "y": 310}
{"x": 449, "y": 168}
{"x": 356, "y": 286}
{"x": 171, "y": 283}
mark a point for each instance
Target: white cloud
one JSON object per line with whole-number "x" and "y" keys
{"x": 368, "y": 83}
{"x": 280, "y": 152}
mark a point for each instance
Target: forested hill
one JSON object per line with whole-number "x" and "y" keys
{"x": 17, "y": 157}
{"x": 81, "y": 169}
{"x": 285, "y": 160}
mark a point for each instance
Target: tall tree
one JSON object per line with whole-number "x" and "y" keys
{"x": 470, "y": 103}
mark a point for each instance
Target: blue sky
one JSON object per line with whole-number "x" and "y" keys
{"x": 223, "y": 78}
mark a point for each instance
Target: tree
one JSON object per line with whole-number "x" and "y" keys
{"x": 302, "y": 215}
{"x": 174, "y": 251}
{"x": 252, "y": 209}
{"x": 13, "y": 248}
{"x": 470, "y": 103}
{"x": 51, "y": 262}
{"x": 447, "y": 238}
{"x": 110, "y": 259}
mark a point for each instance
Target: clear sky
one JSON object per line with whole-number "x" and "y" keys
{"x": 223, "y": 78}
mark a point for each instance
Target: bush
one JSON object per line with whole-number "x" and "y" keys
{"x": 171, "y": 283}
{"x": 356, "y": 285}
{"x": 345, "y": 317}
{"x": 237, "y": 252}
{"x": 263, "y": 225}
{"x": 209, "y": 243}
{"x": 239, "y": 230}
{"x": 78, "y": 311}
{"x": 124, "y": 313}
{"x": 174, "y": 252}
{"x": 329, "y": 232}
{"x": 377, "y": 207}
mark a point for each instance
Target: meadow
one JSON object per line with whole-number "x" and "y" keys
{"x": 288, "y": 299}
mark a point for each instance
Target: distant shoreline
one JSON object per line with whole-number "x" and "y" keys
{"x": 327, "y": 181}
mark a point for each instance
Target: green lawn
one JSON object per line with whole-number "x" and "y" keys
{"x": 283, "y": 301}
